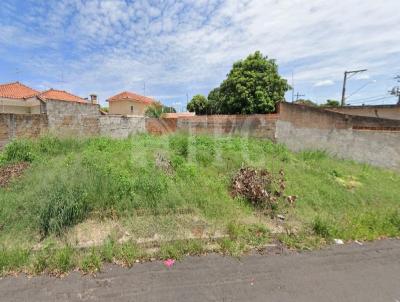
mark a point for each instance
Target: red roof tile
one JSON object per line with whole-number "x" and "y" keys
{"x": 16, "y": 90}
{"x": 126, "y": 95}
{"x": 61, "y": 95}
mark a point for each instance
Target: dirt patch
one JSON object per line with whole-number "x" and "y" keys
{"x": 10, "y": 172}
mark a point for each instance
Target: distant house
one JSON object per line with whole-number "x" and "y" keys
{"x": 18, "y": 98}
{"x": 129, "y": 103}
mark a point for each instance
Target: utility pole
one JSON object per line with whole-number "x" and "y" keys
{"x": 396, "y": 90}
{"x": 299, "y": 95}
{"x": 345, "y": 81}
{"x": 292, "y": 87}
{"x": 144, "y": 88}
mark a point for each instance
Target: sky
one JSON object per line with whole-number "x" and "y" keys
{"x": 172, "y": 50}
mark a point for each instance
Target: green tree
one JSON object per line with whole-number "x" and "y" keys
{"x": 252, "y": 86}
{"x": 306, "y": 102}
{"x": 331, "y": 103}
{"x": 198, "y": 104}
{"x": 214, "y": 102}
{"x": 157, "y": 109}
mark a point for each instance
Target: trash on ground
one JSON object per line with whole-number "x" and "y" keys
{"x": 338, "y": 241}
{"x": 280, "y": 217}
{"x": 169, "y": 262}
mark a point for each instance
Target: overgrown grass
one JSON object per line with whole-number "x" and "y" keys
{"x": 70, "y": 180}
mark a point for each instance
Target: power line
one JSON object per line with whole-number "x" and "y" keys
{"x": 361, "y": 87}
{"x": 367, "y": 98}
{"x": 299, "y": 95}
{"x": 374, "y": 100}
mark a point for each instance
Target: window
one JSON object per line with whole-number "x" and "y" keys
{"x": 131, "y": 109}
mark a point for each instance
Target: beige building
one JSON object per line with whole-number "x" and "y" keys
{"x": 129, "y": 103}
{"x": 20, "y": 99}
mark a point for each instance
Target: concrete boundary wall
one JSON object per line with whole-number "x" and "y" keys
{"x": 117, "y": 126}
{"x": 348, "y": 137}
{"x": 257, "y": 125}
{"x": 381, "y": 111}
{"x": 72, "y": 118}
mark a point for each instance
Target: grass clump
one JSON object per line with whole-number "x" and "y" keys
{"x": 244, "y": 237}
{"x": 91, "y": 262}
{"x": 178, "y": 249}
{"x": 12, "y": 259}
{"x": 64, "y": 207}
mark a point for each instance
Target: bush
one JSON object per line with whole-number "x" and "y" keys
{"x": 179, "y": 144}
{"x": 205, "y": 150}
{"x": 322, "y": 228}
{"x": 65, "y": 206}
{"x": 19, "y": 150}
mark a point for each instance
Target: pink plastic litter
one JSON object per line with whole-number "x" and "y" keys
{"x": 169, "y": 262}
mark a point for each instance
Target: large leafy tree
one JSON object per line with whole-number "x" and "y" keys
{"x": 252, "y": 86}
{"x": 198, "y": 104}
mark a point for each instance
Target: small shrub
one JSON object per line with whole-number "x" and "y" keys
{"x": 19, "y": 150}
{"x": 322, "y": 228}
{"x": 179, "y": 143}
{"x": 65, "y": 206}
{"x": 205, "y": 150}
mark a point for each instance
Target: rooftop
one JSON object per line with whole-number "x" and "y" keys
{"x": 131, "y": 96}
{"x": 61, "y": 95}
{"x": 16, "y": 90}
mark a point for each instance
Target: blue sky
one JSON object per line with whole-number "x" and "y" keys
{"x": 187, "y": 47}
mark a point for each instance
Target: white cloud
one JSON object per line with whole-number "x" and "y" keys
{"x": 107, "y": 46}
{"x": 324, "y": 83}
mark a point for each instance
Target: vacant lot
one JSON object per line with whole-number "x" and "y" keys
{"x": 79, "y": 203}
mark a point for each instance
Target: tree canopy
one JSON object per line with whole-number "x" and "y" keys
{"x": 252, "y": 86}
{"x": 198, "y": 104}
{"x": 157, "y": 109}
{"x": 331, "y": 103}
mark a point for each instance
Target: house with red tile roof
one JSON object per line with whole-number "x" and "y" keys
{"x": 18, "y": 98}
{"x": 129, "y": 103}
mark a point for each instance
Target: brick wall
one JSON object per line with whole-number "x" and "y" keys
{"x": 161, "y": 126}
{"x": 21, "y": 125}
{"x": 117, "y": 126}
{"x": 365, "y": 139}
{"x": 257, "y": 125}
{"x": 73, "y": 119}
